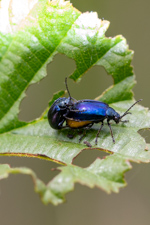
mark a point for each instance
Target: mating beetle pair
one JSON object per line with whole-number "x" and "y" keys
{"x": 83, "y": 113}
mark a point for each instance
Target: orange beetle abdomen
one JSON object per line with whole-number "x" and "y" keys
{"x": 77, "y": 124}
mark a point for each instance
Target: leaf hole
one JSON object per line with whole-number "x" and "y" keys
{"x": 88, "y": 156}
{"x": 145, "y": 133}
{"x": 93, "y": 83}
{"x": 38, "y": 95}
{"x": 42, "y": 168}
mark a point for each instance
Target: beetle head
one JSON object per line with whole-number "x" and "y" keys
{"x": 116, "y": 117}
{"x": 112, "y": 115}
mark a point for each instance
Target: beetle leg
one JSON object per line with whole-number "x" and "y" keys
{"x": 61, "y": 123}
{"x": 111, "y": 131}
{"x": 71, "y": 135}
{"x": 87, "y": 144}
{"x": 102, "y": 124}
{"x": 85, "y": 129}
{"x": 124, "y": 121}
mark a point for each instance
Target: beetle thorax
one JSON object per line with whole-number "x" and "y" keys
{"x": 112, "y": 115}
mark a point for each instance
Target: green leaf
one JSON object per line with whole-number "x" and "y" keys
{"x": 49, "y": 28}
{"x": 110, "y": 179}
{"x": 39, "y": 138}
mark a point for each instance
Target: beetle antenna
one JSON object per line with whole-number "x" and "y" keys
{"x": 127, "y": 112}
{"x": 67, "y": 88}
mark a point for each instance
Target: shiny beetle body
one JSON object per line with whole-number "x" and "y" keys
{"x": 90, "y": 112}
{"x": 58, "y": 112}
{"x": 83, "y": 113}
{"x": 93, "y": 111}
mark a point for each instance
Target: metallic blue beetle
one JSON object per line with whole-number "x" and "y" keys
{"x": 83, "y": 113}
{"x": 58, "y": 112}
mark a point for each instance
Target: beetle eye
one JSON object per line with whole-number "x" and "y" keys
{"x": 116, "y": 119}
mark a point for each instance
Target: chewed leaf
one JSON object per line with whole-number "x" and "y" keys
{"x": 39, "y": 138}
{"x": 52, "y": 27}
{"x": 96, "y": 175}
{"x": 25, "y": 54}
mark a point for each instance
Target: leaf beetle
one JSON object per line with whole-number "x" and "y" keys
{"x": 83, "y": 114}
{"x": 58, "y": 112}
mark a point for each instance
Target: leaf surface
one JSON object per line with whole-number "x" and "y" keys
{"x": 56, "y": 27}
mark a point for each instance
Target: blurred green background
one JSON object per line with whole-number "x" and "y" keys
{"x": 19, "y": 203}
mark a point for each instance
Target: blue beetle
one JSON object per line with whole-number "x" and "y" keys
{"x": 83, "y": 113}
{"x": 90, "y": 112}
{"x": 59, "y": 110}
